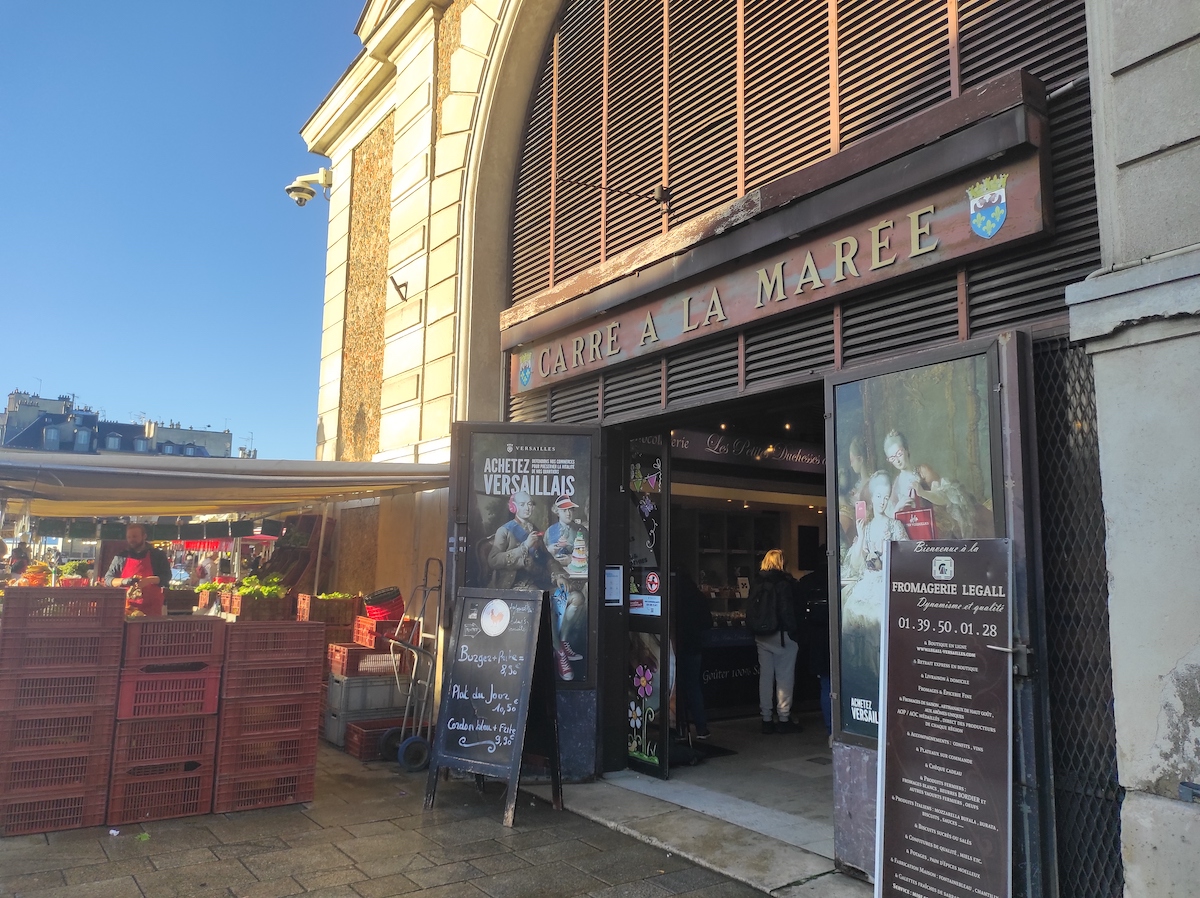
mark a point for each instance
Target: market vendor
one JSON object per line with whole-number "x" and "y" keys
{"x": 144, "y": 566}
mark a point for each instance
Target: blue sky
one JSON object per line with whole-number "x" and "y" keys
{"x": 150, "y": 262}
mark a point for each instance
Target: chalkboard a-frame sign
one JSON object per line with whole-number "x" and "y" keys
{"x": 498, "y": 669}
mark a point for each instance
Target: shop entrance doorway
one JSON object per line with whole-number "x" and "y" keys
{"x": 710, "y": 493}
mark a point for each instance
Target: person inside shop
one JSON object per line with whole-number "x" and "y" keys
{"x": 693, "y": 620}
{"x": 141, "y": 566}
{"x": 812, "y": 594}
{"x": 773, "y": 619}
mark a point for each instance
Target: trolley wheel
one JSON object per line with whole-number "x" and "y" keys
{"x": 389, "y": 743}
{"x": 413, "y": 753}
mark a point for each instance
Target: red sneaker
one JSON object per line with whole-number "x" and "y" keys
{"x": 564, "y": 666}
{"x": 571, "y": 654}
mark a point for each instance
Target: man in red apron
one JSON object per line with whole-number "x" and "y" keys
{"x": 144, "y": 565}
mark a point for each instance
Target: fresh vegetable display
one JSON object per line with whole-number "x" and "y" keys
{"x": 270, "y": 588}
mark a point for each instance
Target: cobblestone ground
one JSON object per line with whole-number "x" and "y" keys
{"x": 365, "y": 836}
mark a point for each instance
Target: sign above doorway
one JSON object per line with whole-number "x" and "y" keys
{"x": 963, "y": 217}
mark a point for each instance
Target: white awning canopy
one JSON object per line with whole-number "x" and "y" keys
{"x": 66, "y": 486}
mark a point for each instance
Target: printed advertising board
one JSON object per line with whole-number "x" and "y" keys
{"x": 944, "y": 824}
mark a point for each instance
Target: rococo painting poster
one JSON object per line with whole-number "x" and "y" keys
{"x": 529, "y": 507}
{"x": 914, "y": 462}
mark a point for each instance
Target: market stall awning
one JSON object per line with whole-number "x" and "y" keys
{"x": 64, "y": 485}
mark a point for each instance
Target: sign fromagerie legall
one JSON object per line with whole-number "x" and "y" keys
{"x": 968, "y": 216}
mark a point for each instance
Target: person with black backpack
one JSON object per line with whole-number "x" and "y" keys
{"x": 775, "y": 623}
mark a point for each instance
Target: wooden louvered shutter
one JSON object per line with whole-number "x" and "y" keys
{"x": 702, "y": 106}
{"x": 893, "y": 61}
{"x": 787, "y": 87}
{"x": 635, "y": 98}
{"x": 531, "y": 213}
{"x": 580, "y": 98}
{"x": 1050, "y": 39}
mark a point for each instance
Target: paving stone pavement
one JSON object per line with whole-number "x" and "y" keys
{"x": 364, "y": 836}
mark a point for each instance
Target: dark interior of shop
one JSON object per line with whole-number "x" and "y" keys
{"x": 726, "y": 512}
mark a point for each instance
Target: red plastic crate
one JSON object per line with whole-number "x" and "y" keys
{"x": 263, "y": 641}
{"x": 362, "y": 737}
{"x": 77, "y": 608}
{"x": 270, "y": 752}
{"x": 373, "y": 633}
{"x": 333, "y": 612}
{"x": 354, "y": 660}
{"x": 51, "y": 811}
{"x": 22, "y": 648}
{"x": 159, "y": 740}
{"x": 157, "y": 692}
{"x": 269, "y": 715}
{"x": 188, "y": 639}
{"x": 245, "y": 792}
{"x": 58, "y": 690}
{"x": 55, "y": 770}
{"x": 279, "y": 678}
{"x": 85, "y": 729}
{"x": 161, "y": 792}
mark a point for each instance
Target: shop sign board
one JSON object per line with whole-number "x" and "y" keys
{"x": 528, "y": 504}
{"x": 944, "y": 823}
{"x": 917, "y": 458}
{"x": 967, "y": 216}
{"x": 723, "y": 448}
{"x": 499, "y": 662}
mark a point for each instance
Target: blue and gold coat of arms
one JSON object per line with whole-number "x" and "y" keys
{"x": 525, "y": 367}
{"x": 988, "y": 206}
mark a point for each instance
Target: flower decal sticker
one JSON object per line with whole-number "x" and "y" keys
{"x": 643, "y": 679}
{"x": 635, "y": 715}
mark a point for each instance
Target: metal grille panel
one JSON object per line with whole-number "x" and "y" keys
{"x": 1087, "y": 794}
{"x": 529, "y": 407}
{"x": 632, "y": 392}
{"x": 924, "y": 314}
{"x": 787, "y": 87}
{"x": 635, "y": 100}
{"x": 893, "y": 61}
{"x": 702, "y": 371}
{"x": 580, "y": 100}
{"x": 702, "y": 142}
{"x": 531, "y": 211}
{"x": 578, "y": 403}
{"x": 790, "y": 348}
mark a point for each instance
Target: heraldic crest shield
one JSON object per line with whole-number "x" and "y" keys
{"x": 988, "y": 207}
{"x": 525, "y": 367}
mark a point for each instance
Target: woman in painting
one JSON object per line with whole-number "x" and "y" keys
{"x": 958, "y": 516}
{"x": 862, "y": 576}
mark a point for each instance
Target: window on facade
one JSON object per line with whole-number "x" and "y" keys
{"x": 112, "y": 441}
{"x": 189, "y": 450}
{"x": 50, "y": 438}
{"x": 715, "y": 98}
{"x": 141, "y": 444}
{"x": 83, "y": 440}
{"x": 168, "y": 449}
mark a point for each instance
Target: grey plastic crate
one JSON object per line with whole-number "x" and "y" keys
{"x": 359, "y": 693}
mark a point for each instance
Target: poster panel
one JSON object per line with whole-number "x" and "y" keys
{"x": 529, "y": 504}
{"x": 916, "y": 460}
{"x": 944, "y": 828}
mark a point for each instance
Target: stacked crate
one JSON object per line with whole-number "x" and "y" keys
{"x": 363, "y": 692}
{"x": 59, "y": 654}
{"x": 165, "y": 749}
{"x": 270, "y": 703}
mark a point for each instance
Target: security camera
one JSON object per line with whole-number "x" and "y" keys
{"x": 301, "y": 190}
